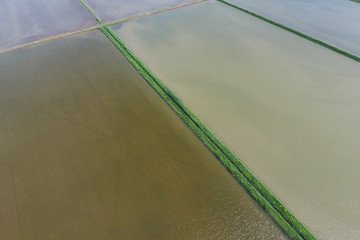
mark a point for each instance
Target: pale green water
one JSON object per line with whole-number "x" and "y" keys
{"x": 288, "y": 108}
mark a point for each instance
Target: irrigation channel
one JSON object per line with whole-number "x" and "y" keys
{"x": 88, "y": 149}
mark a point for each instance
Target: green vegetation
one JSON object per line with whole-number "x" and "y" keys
{"x": 89, "y": 10}
{"x": 357, "y": 1}
{"x": 321, "y": 43}
{"x": 257, "y": 190}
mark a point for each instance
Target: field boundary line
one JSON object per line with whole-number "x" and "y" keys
{"x": 302, "y": 35}
{"x": 101, "y": 24}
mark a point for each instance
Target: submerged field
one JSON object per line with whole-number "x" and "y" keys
{"x": 278, "y": 101}
{"x": 26, "y": 21}
{"x": 336, "y": 22}
{"x": 179, "y": 119}
{"x": 89, "y": 151}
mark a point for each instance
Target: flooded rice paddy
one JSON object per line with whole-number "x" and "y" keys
{"x": 26, "y": 21}
{"x": 336, "y": 22}
{"x": 287, "y": 107}
{"x": 89, "y": 151}
{"x": 110, "y": 10}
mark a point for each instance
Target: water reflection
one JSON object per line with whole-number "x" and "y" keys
{"x": 26, "y": 21}
{"x": 110, "y": 10}
{"x": 336, "y": 22}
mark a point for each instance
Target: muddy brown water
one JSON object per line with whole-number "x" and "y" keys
{"x": 288, "y": 108}
{"x": 26, "y": 21}
{"x": 88, "y": 150}
{"x": 336, "y": 22}
{"x": 110, "y": 10}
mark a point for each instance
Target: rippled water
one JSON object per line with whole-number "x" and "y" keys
{"x": 89, "y": 151}
{"x": 288, "y": 108}
{"x": 336, "y": 22}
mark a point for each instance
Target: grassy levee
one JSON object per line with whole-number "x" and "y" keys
{"x": 321, "y": 43}
{"x": 89, "y": 10}
{"x": 288, "y": 223}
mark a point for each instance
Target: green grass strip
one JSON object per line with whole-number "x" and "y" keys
{"x": 321, "y": 43}
{"x": 91, "y": 12}
{"x": 357, "y": 1}
{"x": 288, "y": 223}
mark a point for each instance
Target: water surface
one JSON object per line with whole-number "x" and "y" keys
{"x": 336, "y": 22}
{"x": 288, "y": 108}
{"x": 89, "y": 151}
{"x": 110, "y": 10}
{"x": 26, "y": 21}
